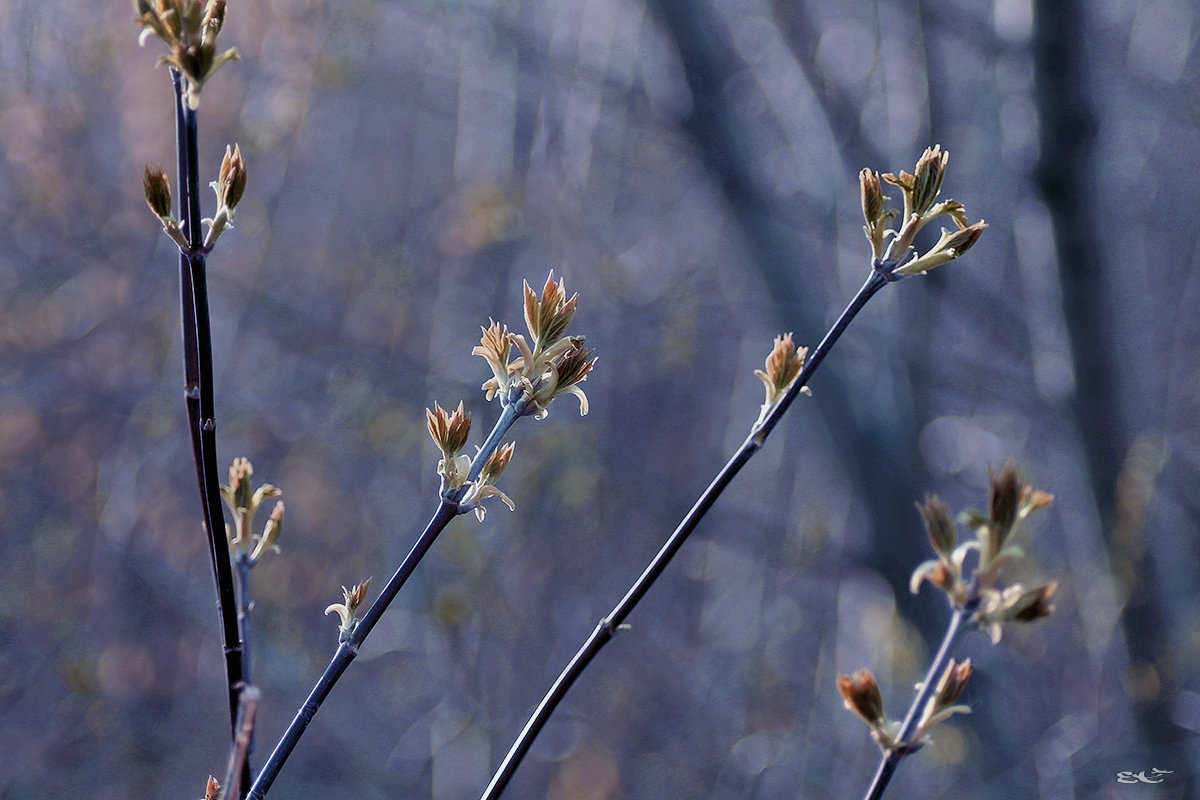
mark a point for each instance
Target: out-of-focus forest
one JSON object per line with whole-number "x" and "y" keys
{"x": 690, "y": 168}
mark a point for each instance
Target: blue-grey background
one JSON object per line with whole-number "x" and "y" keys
{"x": 690, "y": 169}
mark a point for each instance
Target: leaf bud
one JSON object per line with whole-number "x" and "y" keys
{"x": 158, "y": 191}
{"x": 861, "y": 695}
{"x": 1034, "y": 604}
{"x": 927, "y": 181}
{"x": 231, "y": 182}
{"x": 347, "y": 611}
{"x": 939, "y": 525}
{"x": 1003, "y": 502}
{"x": 449, "y": 430}
{"x": 783, "y": 366}
{"x": 270, "y": 535}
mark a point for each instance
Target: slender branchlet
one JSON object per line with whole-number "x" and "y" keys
{"x": 787, "y": 372}
{"x": 247, "y": 547}
{"x": 198, "y": 389}
{"x": 525, "y": 385}
{"x": 978, "y": 602}
{"x": 239, "y": 752}
{"x": 189, "y": 31}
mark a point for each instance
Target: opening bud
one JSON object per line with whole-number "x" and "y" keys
{"x": 782, "y": 368}
{"x": 943, "y": 704}
{"x": 448, "y": 430}
{"x": 548, "y": 316}
{"x": 485, "y": 487}
{"x": 874, "y": 211}
{"x": 347, "y": 611}
{"x": 950, "y": 246}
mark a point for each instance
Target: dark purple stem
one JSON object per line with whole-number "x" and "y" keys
{"x": 609, "y": 625}
{"x": 198, "y": 393}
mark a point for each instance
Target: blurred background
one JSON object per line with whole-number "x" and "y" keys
{"x": 690, "y": 169}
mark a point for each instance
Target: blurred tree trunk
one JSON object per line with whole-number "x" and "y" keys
{"x": 879, "y": 459}
{"x": 1068, "y": 127}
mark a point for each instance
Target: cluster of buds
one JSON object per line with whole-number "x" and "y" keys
{"x": 347, "y": 610}
{"x": 449, "y": 432}
{"x": 861, "y": 696}
{"x": 189, "y": 30}
{"x": 229, "y": 186}
{"x": 893, "y": 250}
{"x": 244, "y": 501}
{"x": 554, "y": 364}
{"x": 977, "y": 597}
{"x": 782, "y": 368}
{"x": 1009, "y": 503}
{"x": 547, "y": 364}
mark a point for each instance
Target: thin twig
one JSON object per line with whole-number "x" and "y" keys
{"x": 958, "y": 626}
{"x": 609, "y": 625}
{"x": 244, "y": 604}
{"x": 239, "y": 751}
{"x": 198, "y": 391}
{"x": 347, "y": 650}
